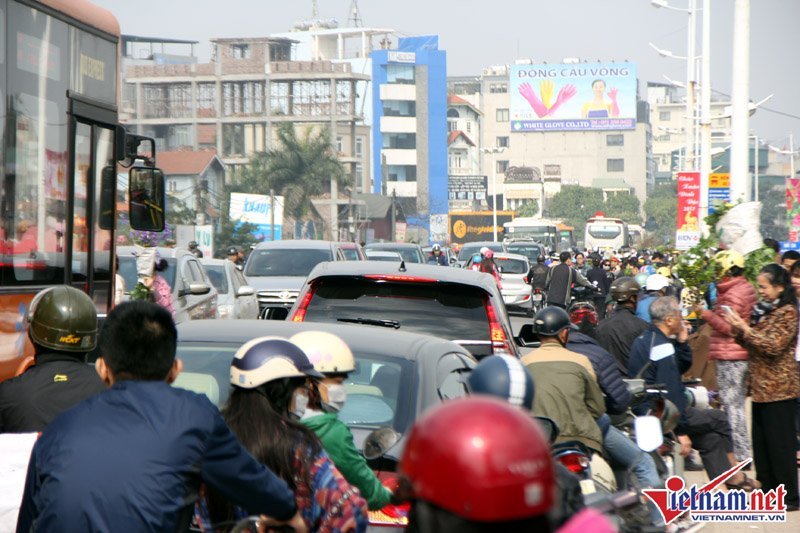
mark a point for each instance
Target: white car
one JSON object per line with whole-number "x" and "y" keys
{"x": 382, "y": 255}
{"x": 516, "y": 288}
{"x": 236, "y": 299}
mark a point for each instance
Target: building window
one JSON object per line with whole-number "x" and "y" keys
{"x": 400, "y": 73}
{"x": 400, "y": 141}
{"x": 502, "y": 166}
{"x": 452, "y": 125}
{"x": 664, "y": 115}
{"x": 399, "y": 108}
{"x": 502, "y": 142}
{"x": 359, "y": 147}
{"x": 615, "y": 165}
{"x": 501, "y": 115}
{"x": 233, "y": 139}
{"x": 469, "y": 126}
{"x": 359, "y": 175}
{"x": 172, "y": 186}
{"x": 498, "y": 88}
{"x": 451, "y": 113}
{"x": 339, "y": 145}
{"x": 616, "y": 139}
{"x": 240, "y": 51}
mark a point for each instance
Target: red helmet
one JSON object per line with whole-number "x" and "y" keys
{"x": 481, "y": 459}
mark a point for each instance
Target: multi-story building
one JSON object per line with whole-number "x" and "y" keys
{"x": 409, "y": 136}
{"x": 613, "y": 160}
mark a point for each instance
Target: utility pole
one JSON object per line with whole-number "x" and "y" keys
{"x": 705, "y": 115}
{"x": 272, "y": 214}
{"x": 393, "y": 218}
{"x": 740, "y": 97}
{"x": 690, "y": 86}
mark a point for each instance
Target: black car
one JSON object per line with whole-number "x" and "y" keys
{"x": 454, "y": 304}
{"x": 398, "y": 376}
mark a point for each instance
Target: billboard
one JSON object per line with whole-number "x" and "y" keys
{"x": 466, "y": 187}
{"x": 474, "y": 226}
{"x": 572, "y": 97}
{"x": 793, "y": 208}
{"x": 688, "y": 222}
{"x": 257, "y": 209}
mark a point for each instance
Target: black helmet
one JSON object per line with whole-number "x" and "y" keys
{"x": 505, "y": 377}
{"x": 233, "y": 250}
{"x": 63, "y": 318}
{"x": 551, "y": 321}
{"x": 540, "y": 259}
{"x": 193, "y": 245}
{"x": 624, "y": 288}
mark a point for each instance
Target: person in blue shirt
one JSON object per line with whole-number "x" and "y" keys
{"x": 656, "y": 286}
{"x": 437, "y": 257}
{"x": 132, "y": 457}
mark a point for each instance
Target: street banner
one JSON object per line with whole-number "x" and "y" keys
{"x": 256, "y": 209}
{"x": 466, "y": 187}
{"x": 572, "y": 97}
{"x": 688, "y": 221}
{"x": 793, "y": 207}
{"x": 474, "y": 226}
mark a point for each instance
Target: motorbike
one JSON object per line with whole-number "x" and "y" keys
{"x": 581, "y": 308}
{"x": 537, "y": 300}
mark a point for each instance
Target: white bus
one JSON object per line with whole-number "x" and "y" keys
{"x": 637, "y": 235}
{"x": 606, "y": 234}
{"x": 535, "y": 229}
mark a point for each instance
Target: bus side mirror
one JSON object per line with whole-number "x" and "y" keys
{"x": 146, "y": 199}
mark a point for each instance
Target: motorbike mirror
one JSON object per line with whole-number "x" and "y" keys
{"x": 550, "y": 428}
{"x": 648, "y": 433}
{"x": 526, "y": 336}
{"x": 379, "y": 442}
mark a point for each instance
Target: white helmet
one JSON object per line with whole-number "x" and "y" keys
{"x": 656, "y": 282}
{"x": 328, "y": 353}
{"x": 266, "y": 359}
{"x": 484, "y": 249}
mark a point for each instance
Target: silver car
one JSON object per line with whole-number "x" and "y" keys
{"x": 516, "y": 288}
{"x": 236, "y": 298}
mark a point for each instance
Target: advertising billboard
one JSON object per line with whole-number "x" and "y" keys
{"x": 572, "y": 97}
{"x": 688, "y": 223}
{"x": 793, "y": 208}
{"x": 256, "y": 209}
{"x": 474, "y": 226}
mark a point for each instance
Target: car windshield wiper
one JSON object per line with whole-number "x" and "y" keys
{"x": 372, "y": 322}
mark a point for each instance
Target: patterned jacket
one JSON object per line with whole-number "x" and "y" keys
{"x": 741, "y": 297}
{"x": 771, "y": 343}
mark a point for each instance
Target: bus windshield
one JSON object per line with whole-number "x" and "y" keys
{"x": 604, "y": 231}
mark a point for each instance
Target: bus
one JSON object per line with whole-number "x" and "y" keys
{"x": 637, "y": 234}
{"x": 534, "y": 229}
{"x": 566, "y": 235}
{"x": 606, "y": 234}
{"x": 61, "y": 147}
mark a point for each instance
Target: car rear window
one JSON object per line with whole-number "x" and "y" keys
{"x": 451, "y": 311}
{"x": 409, "y": 255}
{"x": 468, "y": 250}
{"x": 127, "y": 269}
{"x": 350, "y": 254}
{"x": 511, "y": 266}
{"x": 285, "y": 261}
{"x": 531, "y": 251}
{"x": 216, "y": 273}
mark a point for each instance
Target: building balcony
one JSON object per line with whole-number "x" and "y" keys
{"x": 398, "y": 125}
{"x": 400, "y": 157}
{"x": 404, "y": 189}
{"x": 398, "y": 92}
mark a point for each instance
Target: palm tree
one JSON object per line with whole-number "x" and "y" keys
{"x": 298, "y": 168}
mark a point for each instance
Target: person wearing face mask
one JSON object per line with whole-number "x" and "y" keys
{"x": 270, "y": 394}
{"x": 601, "y": 278}
{"x": 332, "y": 358}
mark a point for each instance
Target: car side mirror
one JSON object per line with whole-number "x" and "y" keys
{"x": 196, "y": 289}
{"x": 379, "y": 442}
{"x": 453, "y": 260}
{"x": 527, "y": 336}
{"x": 245, "y": 290}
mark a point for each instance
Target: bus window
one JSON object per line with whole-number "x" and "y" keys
{"x": 103, "y": 211}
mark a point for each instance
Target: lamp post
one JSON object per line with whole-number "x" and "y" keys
{"x": 790, "y": 152}
{"x": 494, "y": 150}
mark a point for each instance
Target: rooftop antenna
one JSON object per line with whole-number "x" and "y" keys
{"x": 354, "y": 19}
{"x": 314, "y": 9}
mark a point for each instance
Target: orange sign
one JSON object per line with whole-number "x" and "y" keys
{"x": 719, "y": 181}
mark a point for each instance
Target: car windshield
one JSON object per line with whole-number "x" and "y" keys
{"x": 409, "y": 254}
{"x": 531, "y": 251}
{"x": 605, "y": 231}
{"x": 417, "y": 307}
{"x": 378, "y": 392}
{"x": 127, "y": 269}
{"x": 285, "y": 261}
{"x": 469, "y": 249}
{"x": 216, "y": 273}
{"x": 350, "y": 254}
{"x": 511, "y": 266}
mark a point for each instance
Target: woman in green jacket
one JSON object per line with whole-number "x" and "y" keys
{"x": 331, "y": 357}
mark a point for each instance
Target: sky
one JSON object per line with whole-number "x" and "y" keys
{"x": 479, "y": 33}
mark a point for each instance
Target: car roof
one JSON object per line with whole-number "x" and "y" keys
{"x": 212, "y": 262}
{"x": 163, "y": 251}
{"x": 361, "y": 338}
{"x": 376, "y": 245}
{"x": 481, "y": 243}
{"x": 502, "y": 255}
{"x": 446, "y": 275}
{"x": 296, "y": 243}
{"x": 383, "y": 253}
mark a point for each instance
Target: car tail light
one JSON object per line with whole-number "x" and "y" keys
{"x": 300, "y": 314}
{"x": 575, "y": 462}
{"x": 496, "y": 332}
{"x": 396, "y": 277}
{"x": 390, "y": 515}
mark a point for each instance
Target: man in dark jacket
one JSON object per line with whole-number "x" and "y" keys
{"x": 662, "y": 355}
{"x": 602, "y": 280}
{"x": 538, "y": 274}
{"x": 560, "y": 279}
{"x": 132, "y": 457}
{"x": 62, "y": 325}
{"x": 617, "y": 331}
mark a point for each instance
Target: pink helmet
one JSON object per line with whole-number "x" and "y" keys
{"x": 488, "y": 254}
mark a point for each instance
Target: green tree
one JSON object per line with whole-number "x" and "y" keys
{"x": 298, "y": 168}
{"x": 574, "y": 204}
{"x": 623, "y": 206}
{"x": 528, "y": 209}
{"x": 661, "y": 210}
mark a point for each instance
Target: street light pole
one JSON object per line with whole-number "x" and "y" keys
{"x": 705, "y": 114}
{"x": 690, "y": 81}
{"x": 494, "y": 150}
{"x": 740, "y": 96}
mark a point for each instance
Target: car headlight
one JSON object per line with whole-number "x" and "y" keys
{"x": 225, "y": 311}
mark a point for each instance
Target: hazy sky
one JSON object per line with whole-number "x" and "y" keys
{"x": 478, "y": 33}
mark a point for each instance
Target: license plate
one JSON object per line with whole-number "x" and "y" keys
{"x": 537, "y": 297}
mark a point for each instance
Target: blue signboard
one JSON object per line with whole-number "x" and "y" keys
{"x": 788, "y": 245}
{"x": 716, "y": 195}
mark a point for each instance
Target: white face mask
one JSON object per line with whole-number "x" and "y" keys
{"x": 300, "y": 404}
{"x": 337, "y": 396}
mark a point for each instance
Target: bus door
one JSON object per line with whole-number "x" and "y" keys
{"x": 91, "y": 201}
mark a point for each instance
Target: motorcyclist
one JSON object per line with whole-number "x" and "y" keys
{"x": 479, "y": 465}
{"x": 504, "y": 377}
{"x": 236, "y": 256}
{"x": 194, "y": 248}
{"x": 538, "y": 274}
{"x": 436, "y": 257}
{"x": 270, "y": 393}
{"x": 655, "y": 287}
{"x": 332, "y": 358}
{"x": 617, "y": 331}
{"x": 566, "y": 385}
{"x": 560, "y": 280}
{"x": 488, "y": 266}
{"x": 601, "y": 279}
{"x": 62, "y": 326}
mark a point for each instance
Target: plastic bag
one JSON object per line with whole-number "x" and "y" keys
{"x": 739, "y": 229}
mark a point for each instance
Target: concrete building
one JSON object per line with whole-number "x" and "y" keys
{"x": 668, "y": 120}
{"x": 195, "y": 179}
{"x": 232, "y": 102}
{"x": 410, "y": 132}
{"x": 611, "y": 160}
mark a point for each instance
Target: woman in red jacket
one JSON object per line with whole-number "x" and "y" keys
{"x": 734, "y": 291}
